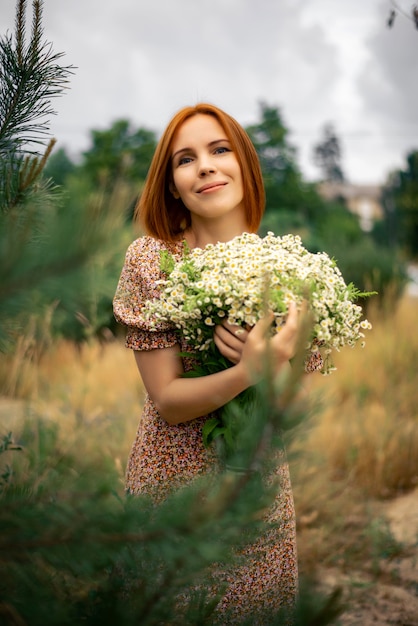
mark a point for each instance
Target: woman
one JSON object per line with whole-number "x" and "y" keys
{"x": 204, "y": 186}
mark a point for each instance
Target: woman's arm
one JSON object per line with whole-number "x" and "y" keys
{"x": 181, "y": 399}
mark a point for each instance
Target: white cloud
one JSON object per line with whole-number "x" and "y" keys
{"x": 144, "y": 60}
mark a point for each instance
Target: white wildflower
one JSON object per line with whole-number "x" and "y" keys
{"x": 229, "y": 281}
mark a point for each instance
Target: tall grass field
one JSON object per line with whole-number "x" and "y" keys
{"x": 75, "y": 409}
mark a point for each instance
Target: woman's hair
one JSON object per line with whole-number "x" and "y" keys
{"x": 165, "y": 217}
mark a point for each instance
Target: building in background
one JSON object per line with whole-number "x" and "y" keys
{"x": 362, "y": 200}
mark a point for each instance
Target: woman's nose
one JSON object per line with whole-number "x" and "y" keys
{"x": 206, "y": 167}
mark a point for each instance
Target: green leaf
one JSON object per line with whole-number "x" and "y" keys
{"x": 356, "y": 293}
{"x": 208, "y": 430}
{"x": 166, "y": 262}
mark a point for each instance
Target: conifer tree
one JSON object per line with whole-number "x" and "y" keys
{"x": 327, "y": 156}
{"x": 49, "y": 258}
{"x": 74, "y": 552}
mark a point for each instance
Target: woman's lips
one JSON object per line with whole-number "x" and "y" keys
{"x": 210, "y": 187}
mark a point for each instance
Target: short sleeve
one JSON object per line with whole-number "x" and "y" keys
{"x": 137, "y": 284}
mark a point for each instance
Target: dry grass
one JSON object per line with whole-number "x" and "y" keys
{"x": 92, "y": 396}
{"x": 367, "y": 423}
{"x": 358, "y": 444}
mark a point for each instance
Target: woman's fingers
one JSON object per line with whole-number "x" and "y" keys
{"x": 234, "y": 331}
{"x": 285, "y": 341}
{"x": 229, "y": 353}
{"x": 281, "y": 347}
{"x": 235, "y": 342}
{"x": 291, "y": 325}
{"x": 260, "y": 330}
{"x": 230, "y": 340}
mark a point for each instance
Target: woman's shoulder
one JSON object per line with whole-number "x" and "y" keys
{"x": 147, "y": 246}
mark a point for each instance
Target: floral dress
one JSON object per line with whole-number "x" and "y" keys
{"x": 165, "y": 457}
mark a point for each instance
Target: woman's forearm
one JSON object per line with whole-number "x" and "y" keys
{"x": 185, "y": 399}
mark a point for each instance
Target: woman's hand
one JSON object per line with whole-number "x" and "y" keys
{"x": 230, "y": 340}
{"x": 280, "y": 348}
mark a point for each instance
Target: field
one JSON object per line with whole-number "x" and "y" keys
{"x": 355, "y": 474}
{"x": 354, "y": 458}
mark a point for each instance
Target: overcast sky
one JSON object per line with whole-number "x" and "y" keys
{"x": 318, "y": 61}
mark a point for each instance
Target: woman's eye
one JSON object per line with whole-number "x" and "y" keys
{"x": 184, "y": 160}
{"x": 222, "y": 149}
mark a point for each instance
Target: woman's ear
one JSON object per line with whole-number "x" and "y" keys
{"x": 173, "y": 190}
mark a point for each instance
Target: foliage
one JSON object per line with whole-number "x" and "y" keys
{"x": 50, "y": 257}
{"x": 120, "y": 152}
{"x": 292, "y": 204}
{"x": 336, "y": 226}
{"x": 400, "y": 204}
{"x": 327, "y": 155}
{"x": 6, "y": 445}
{"x": 30, "y": 77}
{"x": 110, "y": 173}
{"x": 269, "y": 137}
{"x": 76, "y": 551}
{"x": 59, "y": 167}
{"x": 285, "y": 189}
{"x": 372, "y": 267}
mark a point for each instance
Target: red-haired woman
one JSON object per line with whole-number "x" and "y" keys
{"x": 204, "y": 186}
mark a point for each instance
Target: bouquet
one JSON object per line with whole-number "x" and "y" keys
{"x": 228, "y": 281}
{"x": 238, "y": 280}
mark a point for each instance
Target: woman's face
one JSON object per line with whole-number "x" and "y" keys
{"x": 205, "y": 170}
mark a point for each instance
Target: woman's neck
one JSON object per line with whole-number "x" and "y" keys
{"x": 199, "y": 235}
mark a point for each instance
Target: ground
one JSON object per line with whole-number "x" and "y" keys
{"x": 391, "y": 598}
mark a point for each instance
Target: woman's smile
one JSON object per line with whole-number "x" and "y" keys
{"x": 211, "y": 187}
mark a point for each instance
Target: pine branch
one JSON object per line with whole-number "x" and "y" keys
{"x": 36, "y": 26}
{"x": 29, "y": 77}
{"x": 20, "y": 29}
{"x": 22, "y": 550}
{"x": 18, "y": 182}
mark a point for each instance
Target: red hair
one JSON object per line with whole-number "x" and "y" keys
{"x": 165, "y": 217}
